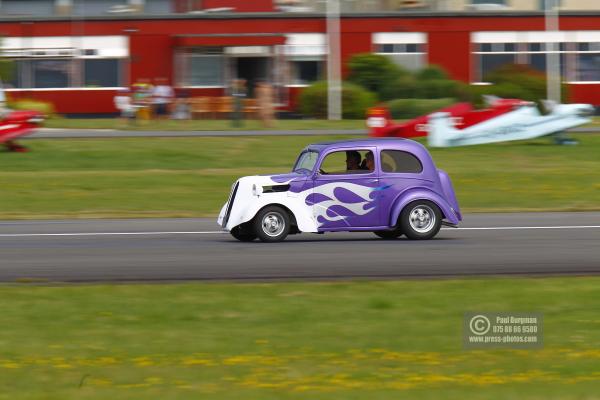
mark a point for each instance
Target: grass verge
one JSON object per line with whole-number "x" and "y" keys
{"x": 201, "y": 125}
{"x": 191, "y": 177}
{"x": 376, "y": 340}
{"x": 212, "y": 125}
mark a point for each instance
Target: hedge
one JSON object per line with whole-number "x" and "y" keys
{"x": 355, "y": 100}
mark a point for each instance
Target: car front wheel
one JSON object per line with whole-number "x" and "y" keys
{"x": 421, "y": 220}
{"x": 272, "y": 224}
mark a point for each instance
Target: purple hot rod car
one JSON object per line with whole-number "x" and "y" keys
{"x": 388, "y": 186}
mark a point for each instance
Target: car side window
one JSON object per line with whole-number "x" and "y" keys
{"x": 347, "y": 162}
{"x": 397, "y": 161}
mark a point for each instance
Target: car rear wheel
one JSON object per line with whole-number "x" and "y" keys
{"x": 421, "y": 220}
{"x": 388, "y": 235}
{"x": 242, "y": 234}
{"x": 272, "y": 224}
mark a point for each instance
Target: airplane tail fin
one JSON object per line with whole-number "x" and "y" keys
{"x": 441, "y": 130}
{"x": 378, "y": 120}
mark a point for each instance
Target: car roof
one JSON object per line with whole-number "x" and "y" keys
{"x": 392, "y": 143}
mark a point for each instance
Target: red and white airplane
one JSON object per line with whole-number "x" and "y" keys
{"x": 463, "y": 115}
{"x": 15, "y": 124}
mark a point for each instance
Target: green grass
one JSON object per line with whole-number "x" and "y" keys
{"x": 187, "y": 177}
{"x": 361, "y": 340}
{"x": 201, "y": 125}
{"x": 209, "y": 125}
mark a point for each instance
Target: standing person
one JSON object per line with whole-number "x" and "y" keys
{"x": 142, "y": 99}
{"x": 162, "y": 98}
{"x": 264, "y": 96}
{"x": 125, "y": 106}
{"x": 182, "y": 105}
{"x": 239, "y": 92}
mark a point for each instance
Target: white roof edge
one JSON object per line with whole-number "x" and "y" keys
{"x": 534, "y": 36}
{"x": 399, "y": 38}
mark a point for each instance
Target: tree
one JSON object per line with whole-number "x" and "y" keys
{"x": 355, "y": 100}
{"x": 374, "y": 72}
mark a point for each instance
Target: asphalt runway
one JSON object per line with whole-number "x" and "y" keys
{"x": 195, "y": 249}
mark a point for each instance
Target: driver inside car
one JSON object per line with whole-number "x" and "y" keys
{"x": 353, "y": 160}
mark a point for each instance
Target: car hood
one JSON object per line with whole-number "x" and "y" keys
{"x": 286, "y": 178}
{"x": 295, "y": 182}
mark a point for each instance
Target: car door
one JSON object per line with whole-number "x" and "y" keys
{"x": 399, "y": 171}
{"x": 343, "y": 199}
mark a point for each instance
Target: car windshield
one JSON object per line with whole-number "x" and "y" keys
{"x": 306, "y": 161}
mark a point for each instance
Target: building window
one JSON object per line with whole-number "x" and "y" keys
{"x": 158, "y": 7}
{"x": 588, "y": 67}
{"x": 206, "y": 70}
{"x": 202, "y": 66}
{"x": 51, "y": 73}
{"x": 405, "y": 49}
{"x": 66, "y": 61}
{"x": 102, "y": 72}
{"x": 305, "y": 72}
{"x": 555, "y": 3}
{"x": 305, "y": 55}
{"x": 579, "y": 52}
{"x": 490, "y": 62}
{"x": 27, "y": 7}
{"x": 66, "y": 73}
{"x": 21, "y": 73}
{"x": 95, "y": 7}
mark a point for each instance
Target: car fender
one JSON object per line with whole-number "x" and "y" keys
{"x": 300, "y": 211}
{"x": 247, "y": 204}
{"x": 421, "y": 193}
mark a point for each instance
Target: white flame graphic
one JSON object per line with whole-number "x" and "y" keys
{"x": 320, "y": 209}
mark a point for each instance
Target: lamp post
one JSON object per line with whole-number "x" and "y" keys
{"x": 553, "y": 76}
{"x": 334, "y": 83}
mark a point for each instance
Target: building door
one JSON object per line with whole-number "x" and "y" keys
{"x": 253, "y": 70}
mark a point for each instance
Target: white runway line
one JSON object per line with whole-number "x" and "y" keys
{"x": 500, "y": 228}
{"x": 108, "y": 234}
{"x": 493, "y": 228}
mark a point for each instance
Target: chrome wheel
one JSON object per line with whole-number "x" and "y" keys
{"x": 422, "y": 218}
{"x": 273, "y": 224}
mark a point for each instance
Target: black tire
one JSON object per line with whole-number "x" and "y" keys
{"x": 243, "y": 234}
{"x": 272, "y": 224}
{"x": 421, "y": 220}
{"x": 389, "y": 235}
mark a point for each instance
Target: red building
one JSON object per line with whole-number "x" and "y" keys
{"x": 79, "y": 63}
